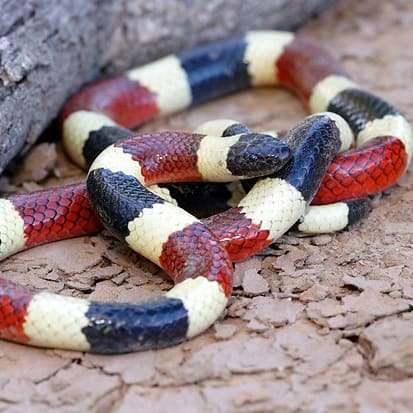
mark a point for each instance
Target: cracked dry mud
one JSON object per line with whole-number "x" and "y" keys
{"x": 316, "y": 324}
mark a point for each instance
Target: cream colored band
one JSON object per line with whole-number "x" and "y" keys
{"x": 274, "y": 204}
{"x": 76, "y": 129}
{"x": 116, "y": 160}
{"x": 204, "y": 300}
{"x": 262, "y": 52}
{"x": 55, "y": 321}
{"x": 149, "y": 231}
{"x": 327, "y": 89}
{"x": 321, "y": 219}
{"x": 12, "y": 238}
{"x": 393, "y": 125}
{"x": 168, "y": 80}
{"x": 212, "y": 158}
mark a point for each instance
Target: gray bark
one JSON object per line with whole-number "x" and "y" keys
{"x": 48, "y": 49}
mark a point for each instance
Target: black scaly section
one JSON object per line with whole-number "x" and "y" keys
{"x": 118, "y": 199}
{"x": 215, "y": 69}
{"x": 100, "y": 139}
{"x": 358, "y": 107}
{"x": 314, "y": 142}
{"x": 235, "y": 129}
{"x": 121, "y": 328}
{"x": 200, "y": 199}
{"x": 358, "y": 209}
{"x": 257, "y": 155}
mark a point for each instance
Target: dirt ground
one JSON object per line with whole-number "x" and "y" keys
{"x": 316, "y": 324}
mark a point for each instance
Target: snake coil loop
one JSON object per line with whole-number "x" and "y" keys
{"x": 126, "y": 187}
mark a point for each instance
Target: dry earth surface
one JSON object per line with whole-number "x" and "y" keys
{"x": 316, "y": 324}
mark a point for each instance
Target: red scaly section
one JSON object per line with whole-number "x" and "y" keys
{"x": 14, "y": 301}
{"x": 165, "y": 156}
{"x": 239, "y": 235}
{"x": 363, "y": 171}
{"x": 194, "y": 252}
{"x": 303, "y": 64}
{"x": 56, "y": 213}
{"x": 126, "y": 102}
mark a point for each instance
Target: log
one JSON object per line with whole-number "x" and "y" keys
{"x": 48, "y": 49}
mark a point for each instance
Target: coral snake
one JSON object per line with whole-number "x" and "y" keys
{"x": 127, "y": 185}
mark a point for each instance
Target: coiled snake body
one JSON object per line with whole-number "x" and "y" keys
{"x": 197, "y": 255}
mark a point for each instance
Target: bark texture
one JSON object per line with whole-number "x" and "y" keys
{"x": 48, "y": 49}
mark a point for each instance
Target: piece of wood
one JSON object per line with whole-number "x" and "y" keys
{"x": 48, "y": 49}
